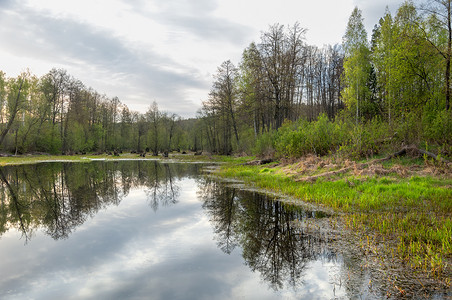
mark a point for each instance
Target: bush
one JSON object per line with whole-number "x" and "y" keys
{"x": 49, "y": 139}
{"x": 264, "y": 145}
{"x": 320, "y": 137}
{"x": 408, "y": 128}
{"x": 437, "y": 127}
{"x": 366, "y": 139}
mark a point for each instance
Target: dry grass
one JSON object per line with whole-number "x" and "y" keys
{"x": 311, "y": 167}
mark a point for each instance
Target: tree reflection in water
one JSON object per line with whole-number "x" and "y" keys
{"x": 58, "y": 197}
{"x": 264, "y": 229}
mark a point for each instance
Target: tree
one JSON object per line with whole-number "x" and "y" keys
{"x": 253, "y": 93}
{"x": 356, "y": 64}
{"x": 413, "y": 63}
{"x": 153, "y": 117}
{"x": 383, "y": 43}
{"x": 36, "y": 112}
{"x": 279, "y": 52}
{"x": 115, "y": 104}
{"x": 126, "y": 128}
{"x": 16, "y": 98}
{"x": 335, "y": 68}
{"x": 54, "y": 86}
{"x": 142, "y": 129}
{"x": 76, "y": 118}
{"x": 224, "y": 93}
{"x": 3, "y": 93}
{"x": 441, "y": 13}
{"x": 170, "y": 121}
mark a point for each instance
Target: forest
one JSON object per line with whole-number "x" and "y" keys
{"x": 285, "y": 98}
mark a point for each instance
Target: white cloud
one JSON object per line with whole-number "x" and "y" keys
{"x": 165, "y": 51}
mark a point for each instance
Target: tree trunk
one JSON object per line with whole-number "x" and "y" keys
{"x": 12, "y": 117}
{"x": 448, "y": 55}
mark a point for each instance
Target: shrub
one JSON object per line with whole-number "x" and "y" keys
{"x": 264, "y": 145}
{"x": 408, "y": 128}
{"x": 366, "y": 139}
{"x": 320, "y": 137}
{"x": 437, "y": 127}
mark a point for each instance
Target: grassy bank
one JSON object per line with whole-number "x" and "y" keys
{"x": 30, "y": 159}
{"x": 401, "y": 208}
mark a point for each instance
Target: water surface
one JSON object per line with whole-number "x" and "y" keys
{"x": 150, "y": 230}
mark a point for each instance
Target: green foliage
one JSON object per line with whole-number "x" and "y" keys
{"x": 408, "y": 128}
{"x": 365, "y": 139}
{"x": 291, "y": 139}
{"x": 264, "y": 145}
{"x": 49, "y": 139}
{"x": 77, "y": 140}
{"x": 437, "y": 127}
{"x": 355, "y": 34}
{"x": 357, "y": 67}
{"x": 319, "y": 137}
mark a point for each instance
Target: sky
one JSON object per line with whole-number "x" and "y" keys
{"x": 158, "y": 50}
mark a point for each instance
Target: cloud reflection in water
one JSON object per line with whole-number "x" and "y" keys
{"x": 92, "y": 239}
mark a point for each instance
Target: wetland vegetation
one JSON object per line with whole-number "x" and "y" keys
{"x": 400, "y": 212}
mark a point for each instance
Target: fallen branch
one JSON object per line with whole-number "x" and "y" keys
{"x": 430, "y": 154}
{"x": 327, "y": 174}
{"x": 259, "y": 162}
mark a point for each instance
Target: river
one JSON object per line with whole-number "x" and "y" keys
{"x": 151, "y": 230}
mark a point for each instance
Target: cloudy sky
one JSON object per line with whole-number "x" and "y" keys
{"x": 157, "y": 50}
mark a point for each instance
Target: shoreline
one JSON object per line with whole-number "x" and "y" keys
{"x": 399, "y": 213}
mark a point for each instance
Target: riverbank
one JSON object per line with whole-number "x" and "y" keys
{"x": 399, "y": 209}
{"x": 38, "y": 158}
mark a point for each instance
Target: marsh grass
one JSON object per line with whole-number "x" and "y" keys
{"x": 407, "y": 216}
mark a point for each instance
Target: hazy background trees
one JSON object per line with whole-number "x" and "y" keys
{"x": 57, "y": 113}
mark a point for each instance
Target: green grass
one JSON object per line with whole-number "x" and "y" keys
{"x": 30, "y": 159}
{"x": 414, "y": 213}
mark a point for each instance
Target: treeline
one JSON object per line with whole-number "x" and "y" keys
{"x": 391, "y": 91}
{"x": 285, "y": 97}
{"x": 57, "y": 113}
{"x": 281, "y": 78}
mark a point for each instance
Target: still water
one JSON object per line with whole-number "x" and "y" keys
{"x": 150, "y": 230}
